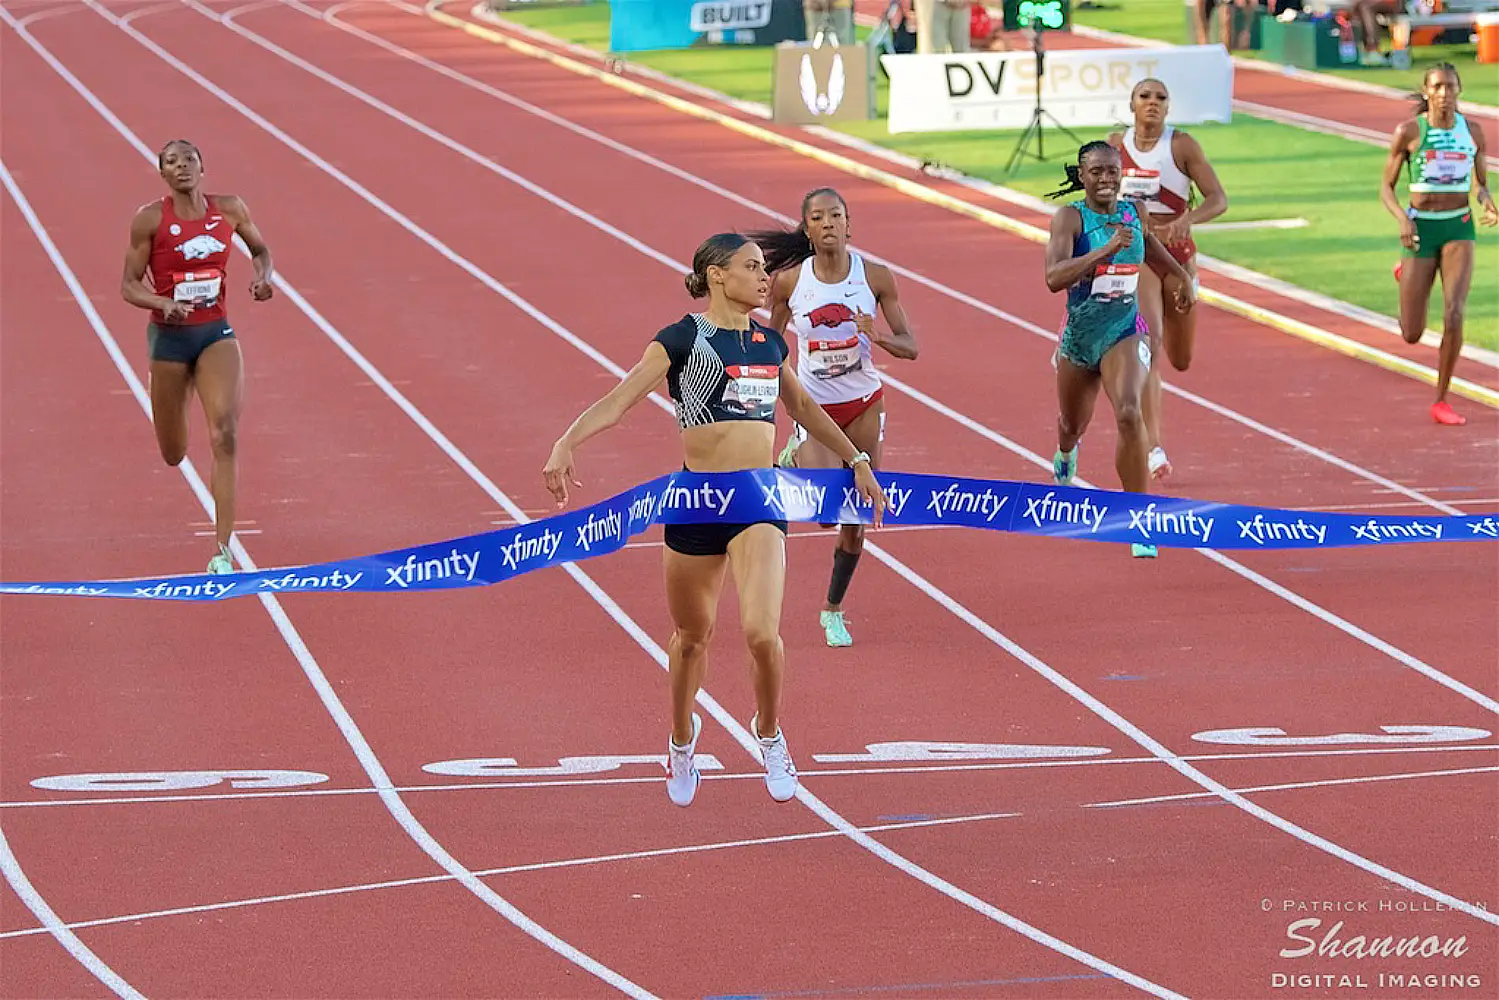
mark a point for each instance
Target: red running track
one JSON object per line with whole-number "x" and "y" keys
{"x": 1172, "y": 891}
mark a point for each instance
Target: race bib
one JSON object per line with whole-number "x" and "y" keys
{"x": 1447, "y": 166}
{"x": 200, "y": 288}
{"x": 1137, "y": 183}
{"x": 752, "y": 389}
{"x": 1115, "y": 281}
{"x": 832, "y": 358}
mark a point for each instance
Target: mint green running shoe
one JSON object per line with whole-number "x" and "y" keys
{"x": 835, "y": 630}
{"x": 1142, "y": 551}
{"x": 221, "y": 563}
{"x": 787, "y": 458}
{"x": 1064, "y": 466}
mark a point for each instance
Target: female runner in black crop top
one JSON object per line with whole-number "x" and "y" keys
{"x": 725, "y": 373}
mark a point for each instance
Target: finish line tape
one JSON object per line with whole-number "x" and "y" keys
{"x": 823, "y": 496}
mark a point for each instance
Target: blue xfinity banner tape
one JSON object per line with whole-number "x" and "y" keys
{"x": 820, "y": 496}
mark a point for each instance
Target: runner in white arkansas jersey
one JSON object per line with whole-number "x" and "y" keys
{"x": 827, "y": 296}
{"x": 835, "y": 358}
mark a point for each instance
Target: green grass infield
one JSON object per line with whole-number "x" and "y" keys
{"x": 1346, "y": 249}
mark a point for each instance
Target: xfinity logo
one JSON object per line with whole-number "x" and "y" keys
{"x": 730, "y": 16}
{"x": 956, "y": 500}
{"x": 1272, "y": 529}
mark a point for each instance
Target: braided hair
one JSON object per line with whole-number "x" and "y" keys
{"x": 1422, "y": 105}
{"x": 789, "y": 247}
{"x": 1074, "y": 170}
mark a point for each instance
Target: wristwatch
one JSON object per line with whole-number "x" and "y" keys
{"x": 862, "y": 456}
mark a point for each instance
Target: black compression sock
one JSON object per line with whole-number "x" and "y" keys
{"x": 843, "y": 571}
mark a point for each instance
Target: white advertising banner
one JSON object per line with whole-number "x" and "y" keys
{"x": 1079, "y": 88}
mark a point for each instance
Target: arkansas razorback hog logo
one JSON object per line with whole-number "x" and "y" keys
{"x": 201, "y": 246}
{"x": 834, "y": 314}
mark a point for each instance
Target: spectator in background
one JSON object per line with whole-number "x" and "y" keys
{"x": 1231, "y": 39}
{"x": 1367, "y": 12}
{"x": 943, "y": 25}
{"x": 834, "y": 16}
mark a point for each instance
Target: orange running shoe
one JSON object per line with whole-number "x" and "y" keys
{"x": 1443, "y": 413}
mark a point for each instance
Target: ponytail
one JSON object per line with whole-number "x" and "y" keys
{"x": 783, "y": 247}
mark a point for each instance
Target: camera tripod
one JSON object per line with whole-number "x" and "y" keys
{"x": 1036, "y": 128}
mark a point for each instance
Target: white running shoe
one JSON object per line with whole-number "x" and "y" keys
{"x": 1160, "y": 465}
{"x": 682, "y": 775}
{"x": 780, "y": 772}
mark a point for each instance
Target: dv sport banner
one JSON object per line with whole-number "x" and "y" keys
{"x": 821, "y": 496}
{"x": 1081, "y": 88}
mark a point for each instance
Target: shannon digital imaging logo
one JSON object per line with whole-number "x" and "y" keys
{"x": 730, "y": 16}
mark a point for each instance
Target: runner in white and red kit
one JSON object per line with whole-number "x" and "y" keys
{"x": 828, "y": 295}
{"x": 1161, "y": 164}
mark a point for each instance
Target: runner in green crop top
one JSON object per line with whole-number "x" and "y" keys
{"x": 1444, "y": 159}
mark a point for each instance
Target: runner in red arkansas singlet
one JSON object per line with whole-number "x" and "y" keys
{"x": 189, "y": 260}
{"x": 177, "y": 267}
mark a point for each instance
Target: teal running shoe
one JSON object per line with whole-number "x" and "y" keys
{"x": 835, "y": 630}
{"x": 1064, "y": 466}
